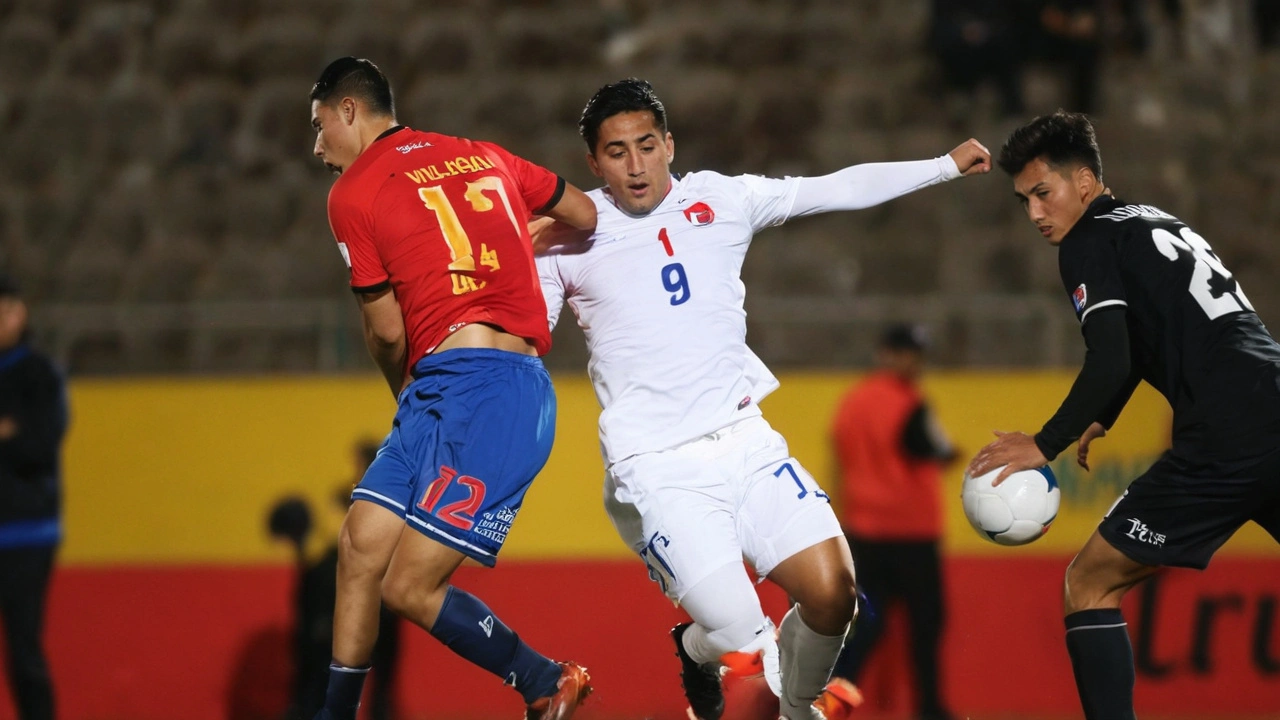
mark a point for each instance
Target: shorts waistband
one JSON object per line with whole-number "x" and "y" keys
{"x": 447, "y": 359}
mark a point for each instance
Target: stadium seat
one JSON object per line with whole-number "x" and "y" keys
{"x": 290, "y": 46}
{"x": 166, "y": 270}
{"x": 27, "y": 44}
{"x": 202, "y": 118}
{"x": 276, "y": 125}
{"x": 430, "y": 48}
{"x": 130, "y": 122}
{"x": 191, "y": 46}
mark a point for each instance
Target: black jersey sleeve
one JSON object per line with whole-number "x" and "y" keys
{"x": 1100, "y": 384}
{"x": 1090, "y": 269}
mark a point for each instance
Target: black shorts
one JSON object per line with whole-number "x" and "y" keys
{"x": 1179, "y": 512}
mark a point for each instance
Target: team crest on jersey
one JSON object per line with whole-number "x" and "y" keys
{"x": 700, "y": 214}
{"x": 1080, "y": 297}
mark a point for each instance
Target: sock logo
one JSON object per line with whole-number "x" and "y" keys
{"x": 511, "y": 680}
{"x": 487, "y": 625}
{"x": 1139, "y": 531}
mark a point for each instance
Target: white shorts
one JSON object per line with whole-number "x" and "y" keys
{"x": 732, "y": 495}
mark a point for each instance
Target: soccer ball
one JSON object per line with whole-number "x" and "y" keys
{"x": 1015, "y": 512}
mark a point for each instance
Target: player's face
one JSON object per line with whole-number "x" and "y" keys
{"x": 1054, "y": 198}
{"x": 633, "y": 155}
{"x": 13, "y": 320}
{"x": 337, "y": 140}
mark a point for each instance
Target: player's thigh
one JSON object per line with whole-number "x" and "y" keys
{"x": 1100, "y": 575}
{"x": 368, "y": 537}
{"x": 1180, "y": 512}
{"x": 479, "y": 429}
{"x": 673, "y": 510}
{"x": 782, "y": 510}
{"x": 1267, "y": 502}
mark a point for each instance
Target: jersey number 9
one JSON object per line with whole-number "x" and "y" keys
{"x": 676, "y": 282}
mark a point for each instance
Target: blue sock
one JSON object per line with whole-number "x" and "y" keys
{"x": 470, "y": 629}
{"x": 342, "y": 697}
{"x": 1102, "y": 658}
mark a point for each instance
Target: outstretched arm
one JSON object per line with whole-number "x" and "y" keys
{"x": 869, "y": 184}
{"x": 1103, "y": 383}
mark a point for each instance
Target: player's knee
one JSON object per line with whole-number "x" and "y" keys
{"x": 832, "y": 600}
{"x": 402, "y": 594}
{"x": 1086, "y": 586}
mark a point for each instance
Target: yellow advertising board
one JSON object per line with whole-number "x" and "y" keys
{"x": 185, "y": 471}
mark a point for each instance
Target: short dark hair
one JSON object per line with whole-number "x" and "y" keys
{"x": 355, "y": 78}
{"x": 9, "y": 287}
{"x": 1063, "y": 138}
{"x": 905, "y": 336}
{"x": 630, "y": 95}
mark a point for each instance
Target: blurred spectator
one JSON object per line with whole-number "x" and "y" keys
{"x": 1136, "y": 23}
{"x": 1068, "y": 33}
{"x": 33, "y": 420}
{"x": 974, "y": 42}
{"x": 291, "y": 520}
{"x": 890, "y": 454}
{"x": 1266, "y": 18}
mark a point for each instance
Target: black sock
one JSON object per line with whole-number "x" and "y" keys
{"x": 1102, "y": 658}
{"x": 342, "y": 698}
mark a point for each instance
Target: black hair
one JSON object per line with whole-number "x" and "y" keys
{"x": 630, "y": 95}
{"x": 355, "y": 78}
{"x": 1063, "y": 138}
{"x": 9, "y": 287}
{"x": 290, "y": 519}
{"x": 905, "y": 336}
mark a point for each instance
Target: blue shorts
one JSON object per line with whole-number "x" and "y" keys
{"x": 471, "y": 432}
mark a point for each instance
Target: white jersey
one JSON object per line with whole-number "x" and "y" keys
{"x": 660, "y": 297}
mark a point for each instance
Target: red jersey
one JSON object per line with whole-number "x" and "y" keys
{"x": 443, "y": 222}
{"x": 886, "y": 494}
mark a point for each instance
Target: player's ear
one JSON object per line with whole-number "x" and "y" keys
{"x": 671, "y": 148}
{"x": 593, "y": 165}
{"x": 348, "y": 108}
{"x": 1085, "y": 181}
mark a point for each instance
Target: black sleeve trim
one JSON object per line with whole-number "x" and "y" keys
{"x": 368, "y": 289}
{"x": 555, "y": 197}
{"x": 918, "y": 439}
{"x": 1103, "y": 377}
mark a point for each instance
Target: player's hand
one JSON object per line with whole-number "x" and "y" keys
{"x": 1015, "y": 450}
{"x": 972, "y": 158}
{"x": 1094, "y": 432}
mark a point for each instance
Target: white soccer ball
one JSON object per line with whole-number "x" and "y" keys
{"x": 1015, "y": 512}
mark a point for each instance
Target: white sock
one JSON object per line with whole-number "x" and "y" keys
{"x": 807, "y": 660}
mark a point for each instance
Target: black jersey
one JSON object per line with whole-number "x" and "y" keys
{"x": 1192, "y": 333}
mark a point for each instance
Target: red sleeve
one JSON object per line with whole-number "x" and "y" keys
{"x": 352, "y": 228}
{"x": 540, "y": 188}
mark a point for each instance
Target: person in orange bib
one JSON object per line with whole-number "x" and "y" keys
{"x": 890, "y": 453}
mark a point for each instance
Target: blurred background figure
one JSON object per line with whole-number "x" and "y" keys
{"x": 33, "y": 420}
{"x": 1068, "y": 34}
{"x": 291, "y": 520}
{"x": 1266, "y": 18}
{"x": 974, "y": 42}
{"x": 890, "y": 453}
